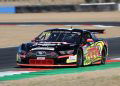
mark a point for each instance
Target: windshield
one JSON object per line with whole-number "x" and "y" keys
{"x": 59, "y": 36}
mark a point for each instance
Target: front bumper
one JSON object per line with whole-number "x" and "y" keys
{"x": 49, "y": 62}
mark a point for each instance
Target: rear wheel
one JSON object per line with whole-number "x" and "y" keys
{"x": 103, "y": 60}
{"x": 80, "y": 59}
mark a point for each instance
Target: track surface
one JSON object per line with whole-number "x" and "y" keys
{"x": 8, "y": 55}
{"x": 62, "y": 23}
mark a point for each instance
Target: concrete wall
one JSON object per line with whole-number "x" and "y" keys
{"x": 68, "y": 8}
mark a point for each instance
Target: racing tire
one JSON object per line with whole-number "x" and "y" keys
{"x": 103, "y": 60}
{"x": 80, "y": 58}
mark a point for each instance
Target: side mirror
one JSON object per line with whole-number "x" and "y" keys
{"x": 90, "y": 40}
{"x": 34, "y": 39}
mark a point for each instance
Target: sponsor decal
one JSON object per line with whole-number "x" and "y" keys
{"x": 41, "y": 52}
{"x": 43, "y": 48}
{"x": 72, "y": 59}
{"x": 40, "y": 58}
{"x": 93, "y": 52}
{"x": 48, "y": 44}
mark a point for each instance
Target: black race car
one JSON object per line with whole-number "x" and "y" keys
{"x": 63, "y": 47}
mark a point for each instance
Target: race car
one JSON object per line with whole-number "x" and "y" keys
{"x": 63, "y": 47}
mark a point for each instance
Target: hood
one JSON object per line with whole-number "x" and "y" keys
{"x": 52, "y": 46}
{"x": 50, "y": 43}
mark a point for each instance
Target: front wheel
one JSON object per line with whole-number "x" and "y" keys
{"x": 80, "y": 59}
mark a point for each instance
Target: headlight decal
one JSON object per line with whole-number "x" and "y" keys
{"x": 67, "y": 52}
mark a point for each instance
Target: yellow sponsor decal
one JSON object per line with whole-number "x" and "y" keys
{"x": 72, "y": 59}
{"x": 100, "y": 45}
{"x": 87, "y": 62}
{"x": 93, "y": 52}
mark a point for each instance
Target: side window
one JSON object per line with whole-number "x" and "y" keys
{"x": 83, "y": 40}
{"x": 94, "y": 36}
{"x": 86, "y": 36}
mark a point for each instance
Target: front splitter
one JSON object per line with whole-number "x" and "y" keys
{"x": 37, "y": 65}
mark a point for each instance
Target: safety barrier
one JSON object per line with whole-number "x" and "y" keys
{"x": 60, "y": 8}
{"x": 7, "y": 9}
{"x": 68, "y": 8}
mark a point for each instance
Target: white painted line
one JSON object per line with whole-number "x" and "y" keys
{"x": 29, "y": 25}
{"x": 72, "y": 25}
{"x": 115, "y": 58}
{"x": 9, "y": 73}
{"x": 68, "y": 25}
{"x": 111, "y": 3}
{"x": 103, "y": 26}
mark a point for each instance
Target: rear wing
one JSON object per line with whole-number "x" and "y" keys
{"x": 96, "y": 31}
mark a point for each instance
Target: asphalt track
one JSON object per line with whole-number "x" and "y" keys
{"x": 17, "y": 75}
{"x": 8, "y": 55}
{"x": 112, "y": 23}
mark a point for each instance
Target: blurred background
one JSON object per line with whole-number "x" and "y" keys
{"x": 23, "y": 20}
{"x": 14, "y": 14}
{"x": 52, "y": 2}
{"x": 28, "y": 6}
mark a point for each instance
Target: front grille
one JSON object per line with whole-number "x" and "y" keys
{"x": 41, "y": 53}
{"x": 42, "y": 62}
{"x": 48, "y": 54}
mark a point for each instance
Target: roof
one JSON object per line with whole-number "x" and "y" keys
{"x": 65, "y": 29}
